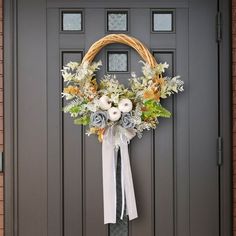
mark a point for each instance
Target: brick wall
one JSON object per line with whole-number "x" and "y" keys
{"x": 1, "y": 116}
{"x": 234, "y": 109}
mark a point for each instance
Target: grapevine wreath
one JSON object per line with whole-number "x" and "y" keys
{"x": 116, "y": 113}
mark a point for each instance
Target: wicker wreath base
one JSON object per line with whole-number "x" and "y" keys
{"x": 123, "y": 39}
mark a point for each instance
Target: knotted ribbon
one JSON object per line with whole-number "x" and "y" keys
{"x": 115, "y": 138}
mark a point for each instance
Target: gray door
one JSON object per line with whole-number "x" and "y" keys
{"x": 174, "y": 169}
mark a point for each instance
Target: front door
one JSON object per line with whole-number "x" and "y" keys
{"x": 59, "y": 168}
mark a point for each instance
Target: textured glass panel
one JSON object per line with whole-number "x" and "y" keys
{"x": 121, "y": 226}
{"x": 72, "y": 21}
{"x": 168, "y": 58}
{"x": 162, "y": 21}
{"x": 117, "y": 21}
{"x": 117, "y": 62}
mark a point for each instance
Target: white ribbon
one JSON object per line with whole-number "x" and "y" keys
{"x": 117, "y": 137}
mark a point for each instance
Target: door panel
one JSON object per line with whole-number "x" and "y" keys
{"x": 181, "y": 147}
{"x": 72, "y": 166}
{"x": 54, "y": 191}
{"x": 164, "y": 165}
{"x": 202, "y": 144}
{"x": 174, "y": 167}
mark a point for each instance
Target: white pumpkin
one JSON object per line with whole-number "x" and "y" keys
{"x": 125, "y": 105}
{"x": 104, "y": 102}
{"x": 114, "y": 114}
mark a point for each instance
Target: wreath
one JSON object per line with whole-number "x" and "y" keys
{"x": 117, "y": 113}
{"x": 105, "y": 103}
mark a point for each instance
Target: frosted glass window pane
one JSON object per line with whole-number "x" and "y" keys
{"x": 117, "y": 21}
{"x": 117, "y": 62}
{"x": 72, "y": 21}
{"x": 162, "y": 21}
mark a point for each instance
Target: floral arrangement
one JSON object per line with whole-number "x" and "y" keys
{"x": 105, "y": 103}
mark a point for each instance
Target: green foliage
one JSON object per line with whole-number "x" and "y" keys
{"x": 153, "y": 109}
{"x": 83, "y": 120}
{"x": 75, "y": 109}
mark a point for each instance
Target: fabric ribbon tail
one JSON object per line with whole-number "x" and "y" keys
{"x": 109, "y": 178}
{"x": 128, "y": 187}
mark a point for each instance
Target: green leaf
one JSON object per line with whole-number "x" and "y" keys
{"x": 84, "y": 120}
{"x": 75, "y": 109}
{"x": 162, "y": 112}
{"x": 154, "y": 109}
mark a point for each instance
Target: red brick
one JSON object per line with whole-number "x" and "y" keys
{"x": 1, "y": 54}
{"x": 234, "y": 211}
{"x": 1, "y": 40}
{"x": 1, "y": 13}
{"x": 233, "y": 69}
{"x": 1, "y": 82}
{"x": 1, "y": 109}
{"x": 233, "y": 28}
{"x": 234, "y": 221}
{"x": 233, "y": 83}
{"x": 1, "y": 69}
{"x": 1, "y": 179}
{"x": 1, "y": 222}
{"x": 233, "y": 42}
{"x": 233, "y": 99}
{"x": 233, "y": 13}
{"x": 234, "y": 186}
{"x": 234, "y": 126}
{"x": 234, "y": 166}
{"x": 1, "y": 96}
{"x": 1, "y": 123}
{"x": 233, "y": 55}
{"x": 1, "y": 137}
{"x": 234, "y": 141}
{"x": 2, "y": 207}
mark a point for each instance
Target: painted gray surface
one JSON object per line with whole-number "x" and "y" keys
{"x": 174, "y": 168}
{"x": 32, "y": 144}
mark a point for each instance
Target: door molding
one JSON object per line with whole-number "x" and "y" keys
{"x": 10, "y": 113}
{"x": 10, "y": 118}
{"x": 225, "y": 115}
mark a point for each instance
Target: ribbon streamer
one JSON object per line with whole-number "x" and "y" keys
{"x": 117, "y": 137}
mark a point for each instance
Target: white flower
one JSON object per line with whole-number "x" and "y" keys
{"x": 114, "y": 114}
{"x": 115, "y": 98}
{"x": 125, "y": 105}
{"x": 133, "y": 75}
{"x": 162, "y": 66}
{"x": 93, "y": 106}
{"x": 104, "y": 102}
{"x": 148, "y": 72}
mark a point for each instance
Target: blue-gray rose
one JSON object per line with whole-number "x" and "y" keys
{"x": 98, "y": 119}
{"x": 127, "y": 121}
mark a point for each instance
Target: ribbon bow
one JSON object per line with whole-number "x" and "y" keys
{"x": 116, "y": 137}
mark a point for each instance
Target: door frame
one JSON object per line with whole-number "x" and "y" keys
{"x": 10, "y": 118}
